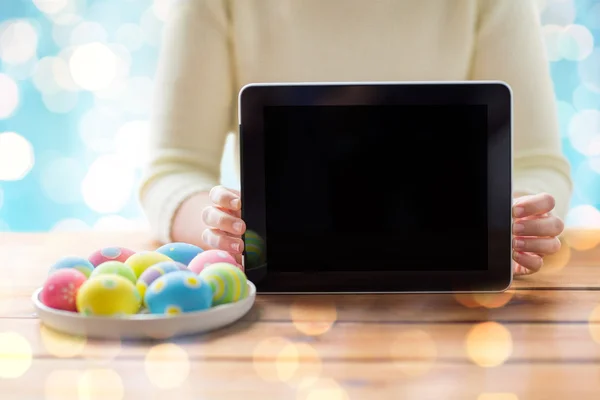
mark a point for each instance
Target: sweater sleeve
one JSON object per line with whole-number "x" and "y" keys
{"x": 193, "y": 111}
{"x": 509, "y": 47}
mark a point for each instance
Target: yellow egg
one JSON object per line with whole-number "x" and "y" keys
{"x": 139, "y": 262}
{"x": 108, "y": 295}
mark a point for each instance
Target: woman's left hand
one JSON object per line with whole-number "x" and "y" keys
{"x": 535, "y": 232}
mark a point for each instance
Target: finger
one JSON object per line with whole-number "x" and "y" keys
{"x": 218, "y": 219}
{"x": 234, "y": 213}
{"x": 533, "y": 205}
{"x": 218, "y": 239}
{"x": 543, "y": 246}
{"x": 531, "y": 262}
{"x": 226, "y": 198}
{"x": 549, "y": 226}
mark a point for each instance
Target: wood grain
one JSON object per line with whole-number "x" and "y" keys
{"x": 247, "y": 341}
{"x": 539, "y": 340}
{"x": 132, "y": 379}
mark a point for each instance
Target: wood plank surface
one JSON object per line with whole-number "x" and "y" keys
{"x": 247, "y": 341}
{"x": 539, "y": 340}
{"x": 131, "y": 379}
{"x": 511, "y": 306}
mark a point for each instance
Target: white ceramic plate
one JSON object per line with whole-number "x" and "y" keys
{"x": 144, "y": 326}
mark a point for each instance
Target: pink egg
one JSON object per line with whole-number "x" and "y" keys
{"x": 209, "y": 257}
{"x": 120, "y": 254}
{"x": 60, "y": 289}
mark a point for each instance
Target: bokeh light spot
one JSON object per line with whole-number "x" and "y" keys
{"x": 494, "y": 300}
{"x": 576, "y": 43}
{"x": 167, "y": 365}
{"x": 94, "y": 126}
{"x": 61, "y": 102}
{"x": 15, "y": 355}
{"x": 266, "y": 358}
{"x": 16, "y": 156}
{"x": 137, "y": 96}
{"x": 100, "y": 384}
{"x": 588, "y": 71}
{"x": 556, "y": 262}
{"x": 70, "y": 13}
{"x": 414, "y": 352}
{"x": 131, "y": 142}
{"x": 297, "y": 364}
{"x": 61, "y": 345}
{"x": 322, "y": 389}
{"x": 588, "y": 183}
{"x": 559, "y": 12}
{"x": 50, "y": 6}
{"x": 130, "y": 36}
{"x": 43, "y": 76}
{"x": 22, "y": 71}
{"x": 583, "y": 222}
{"x": 61, "y": 180}
{"x": 489, "y": 344}
{"x": 18, "y": 41}
{"x": 9, "y": 98}
{"x": 93, "y": 66}
{"x": 313, "y": 318}
{"x": 594, "y": 324}
{"x": 87, "y": 32}
{"x": 108, "y": 184}
{"x": 584, "y": 132}
{"x": 151, "y": 27}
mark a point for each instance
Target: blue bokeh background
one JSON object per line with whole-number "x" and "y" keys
{"x": 72, "y": 132}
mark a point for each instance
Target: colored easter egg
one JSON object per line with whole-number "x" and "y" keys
{"x": 115, "y": 268}
{"x": 156, "y": 271}
{"x": 60, "y": 289}
{"x": 139, "y": 262}
{"x": 110, "y": 254}
{"x": 209, "y": 257}
{"x": 108, "y": 295}
{"x": 178, "y": 292}
{"x": 72, "y": 262}
{"x": 254, "y": 247}
{"x": 228, "y": 282}
{"x": 181, "y": 252}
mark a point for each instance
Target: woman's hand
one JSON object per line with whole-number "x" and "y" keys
{"x": 535, "y": 232}
{"x": 224, "y": 221}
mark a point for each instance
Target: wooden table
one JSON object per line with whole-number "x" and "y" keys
{"x": 539, "y": 340}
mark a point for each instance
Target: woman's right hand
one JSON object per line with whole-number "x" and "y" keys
{"x": 223, "y": 218}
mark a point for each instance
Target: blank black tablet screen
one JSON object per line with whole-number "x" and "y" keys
{"x": 359, "y": 188}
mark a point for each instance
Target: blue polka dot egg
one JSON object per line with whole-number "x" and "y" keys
{"x": 72, "y": 262}
{"x": 178, "y": 292}
{"x": 181, "y": 252}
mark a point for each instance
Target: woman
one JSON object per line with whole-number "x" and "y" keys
{"x": 214, "y": 47}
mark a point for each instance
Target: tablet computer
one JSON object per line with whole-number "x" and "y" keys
{"x": 377, "y": 187}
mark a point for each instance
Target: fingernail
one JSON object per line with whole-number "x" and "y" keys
{"x": 235, "y": 203}
{"x": 237, "y": 226}
{"x": 519, "y": 212}
{"x": 518, "y": 228}
{"x": 519, "y": 244}
{"x": 235, "y": 246}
